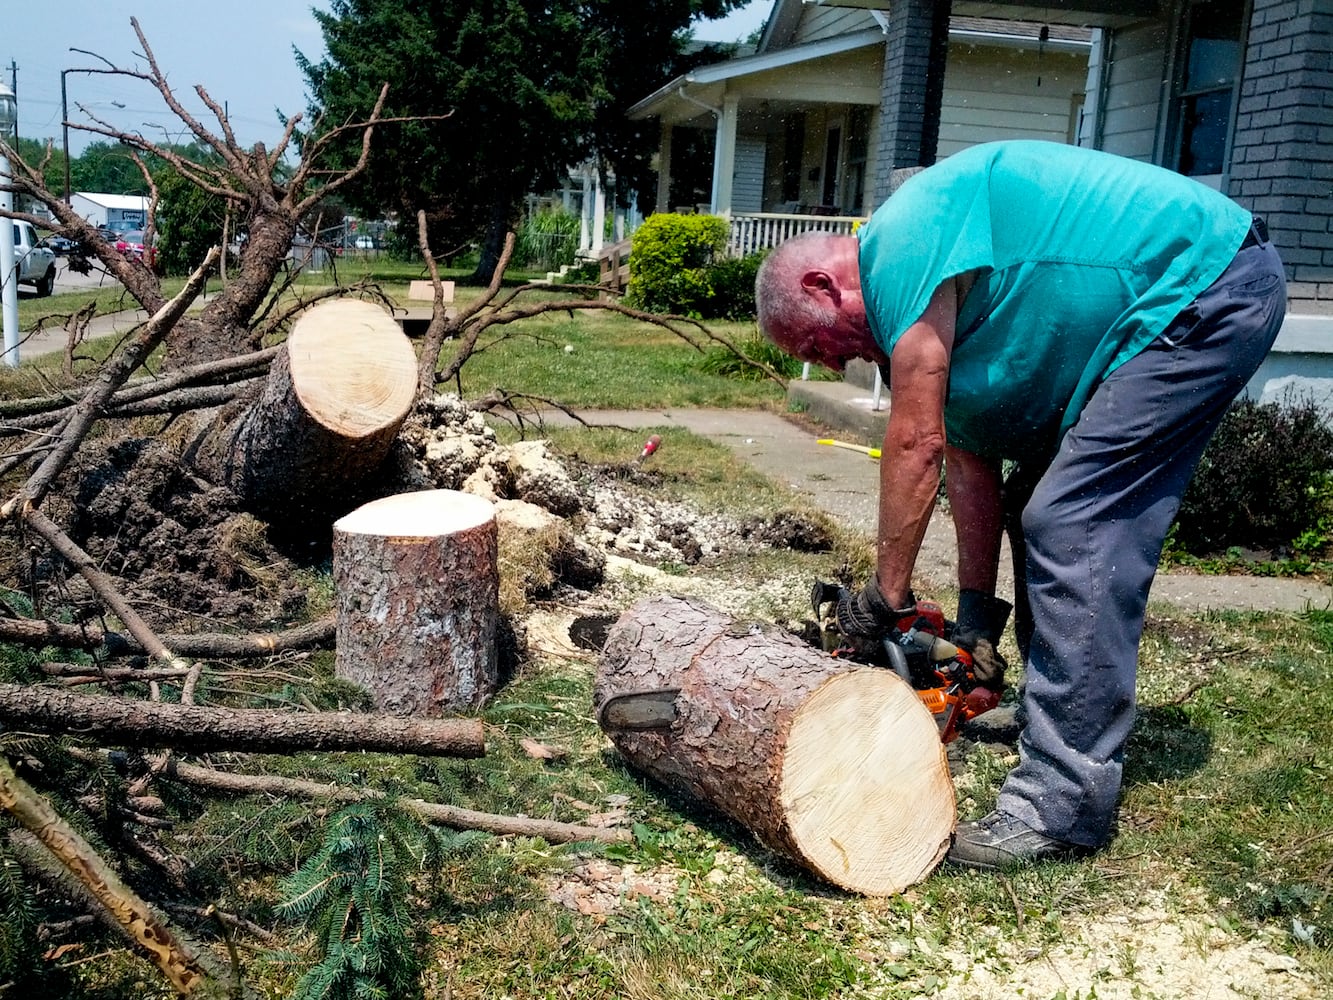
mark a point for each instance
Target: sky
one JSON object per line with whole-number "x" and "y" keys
{"x": 240, "y": 50}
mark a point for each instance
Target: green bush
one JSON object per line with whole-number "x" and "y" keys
{"x": 1263, "y": 482}
{"x": 732, "y": 279}
{"x": 670, "y": 261}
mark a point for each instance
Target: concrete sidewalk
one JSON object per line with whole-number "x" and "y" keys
{"x": 845, "y": 484}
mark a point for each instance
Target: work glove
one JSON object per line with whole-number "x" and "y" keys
{"x": 867, "y": 615}
{"x": 981, "y": 621}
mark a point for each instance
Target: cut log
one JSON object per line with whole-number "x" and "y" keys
{"x": 836, "y": 766}
{"x": 417, "y": 588}
{"x": 324, "y": 419}
{"x": 192, "y": 729}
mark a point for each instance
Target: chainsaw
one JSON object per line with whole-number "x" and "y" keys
{"x": 919, "y": 651}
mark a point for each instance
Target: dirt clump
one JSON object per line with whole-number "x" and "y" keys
{"x": 188, "y": 552}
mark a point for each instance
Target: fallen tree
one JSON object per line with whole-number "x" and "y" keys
{"x": 323, "y": 420}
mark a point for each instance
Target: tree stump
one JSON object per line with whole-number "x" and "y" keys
{"x": 324, "y": 419}
{"x": 418, "y": 600}
{"x": 836, "y": 766}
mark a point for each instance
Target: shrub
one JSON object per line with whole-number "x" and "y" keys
{"x": 670, "y": 260}
{"x": 721, "y": 361}
{"x": 547, "y": 240}
{"x": 732, "y": 279}
{"x": 1263, "y": 482}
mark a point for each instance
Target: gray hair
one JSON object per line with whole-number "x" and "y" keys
{"x": 783, "y": 310}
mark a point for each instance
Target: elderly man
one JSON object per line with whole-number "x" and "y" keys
{"x": 1089, "y": 318}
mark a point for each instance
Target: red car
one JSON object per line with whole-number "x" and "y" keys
{"x": 131, "y": 244}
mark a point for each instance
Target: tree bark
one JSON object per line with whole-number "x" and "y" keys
{"x": 212, "y": 645}
{"x": 836, "y": 766}
{"x": 324, "y": 419}
{"x": 417, "y": 587}
{"x": 192, "y": 729}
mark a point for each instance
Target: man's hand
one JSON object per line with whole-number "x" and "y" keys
{"x": 867, "y": 615}
{"x": 981, "y": 621}
{"x": 988, "y": 666}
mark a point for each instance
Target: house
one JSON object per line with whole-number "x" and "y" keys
{"x": 1236, "y": 93}
{"x": 788, "y": 139}
{"x": 118, "y": 212}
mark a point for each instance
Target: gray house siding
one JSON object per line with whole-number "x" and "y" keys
{"x": 1133, "y": 78}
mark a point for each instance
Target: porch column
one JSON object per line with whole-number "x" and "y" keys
{"x": 912, "y": 88}
{"x": 664, "y": 171}
{"x": 598, "y": 211}
{"x": 724, "y": 156}
{"x": 585, "y": 209}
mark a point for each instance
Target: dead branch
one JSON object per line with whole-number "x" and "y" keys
{"x": 219, "y": 646}
{"x": 76, "y": 674}
{"x": 451, "y": 816}
{"x": 241, "y": 367}
{"x": 462, "y": 324}
{"x": 196, "y": 729}
{"x": 150, "y": 933}
{"x": 103, "y": 585}
{"x": 187, "y": 400}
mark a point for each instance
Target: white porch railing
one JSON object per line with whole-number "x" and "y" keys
{"x": 765, "y": 230}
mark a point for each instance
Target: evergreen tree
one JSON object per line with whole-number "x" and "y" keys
{"x": 530, "y": 89}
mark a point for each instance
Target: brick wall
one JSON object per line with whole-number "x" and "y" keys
{"x": 912, "y": 88}
{"x": 1282, "y": 153}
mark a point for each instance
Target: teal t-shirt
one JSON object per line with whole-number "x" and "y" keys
{"x": 1085, "y": 258}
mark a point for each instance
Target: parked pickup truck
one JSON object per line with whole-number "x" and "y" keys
{"x": 36, "y": 264}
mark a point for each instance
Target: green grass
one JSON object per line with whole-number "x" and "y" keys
{"x": 598, "y": 360}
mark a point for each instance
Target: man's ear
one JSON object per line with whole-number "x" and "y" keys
{"x": 823, "y": 286}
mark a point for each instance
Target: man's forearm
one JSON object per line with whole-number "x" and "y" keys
{"x": 909, "y": 477}
{"x": 974, "y": 499}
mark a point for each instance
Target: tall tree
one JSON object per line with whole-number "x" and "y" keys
{"x": 530, "y": 89}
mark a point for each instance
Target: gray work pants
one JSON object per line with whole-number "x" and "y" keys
{"x": 1094, "y": 529}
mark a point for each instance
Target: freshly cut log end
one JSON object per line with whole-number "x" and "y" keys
{"x": 865, "y": 784}
{"x": 352, "y": 368}
{"x": 417, "y": 584}
{"x": 837, "y": 766}
{"x": 323, "y": 422}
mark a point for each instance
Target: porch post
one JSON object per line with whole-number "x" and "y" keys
{"x": 585, "y": 209}
{"x": 724, "y": 156}
{"x": 912, "y": 88}
{"x": 664, "y": 170}
{"x": 598, "y": 211}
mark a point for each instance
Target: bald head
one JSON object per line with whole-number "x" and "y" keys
{"x": 808, "y": 299}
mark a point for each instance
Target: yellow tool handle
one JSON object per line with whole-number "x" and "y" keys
{"x": 872, "y": 452}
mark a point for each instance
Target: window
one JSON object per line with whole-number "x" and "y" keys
{"x": 1210, "y": 65}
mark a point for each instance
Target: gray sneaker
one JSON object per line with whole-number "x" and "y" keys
{"x": 1000, "y": 841}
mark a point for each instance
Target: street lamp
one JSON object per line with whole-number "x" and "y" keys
{"x": 9, "y": 285}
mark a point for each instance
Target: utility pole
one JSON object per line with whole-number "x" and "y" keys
{"x": 14, "y": 86}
